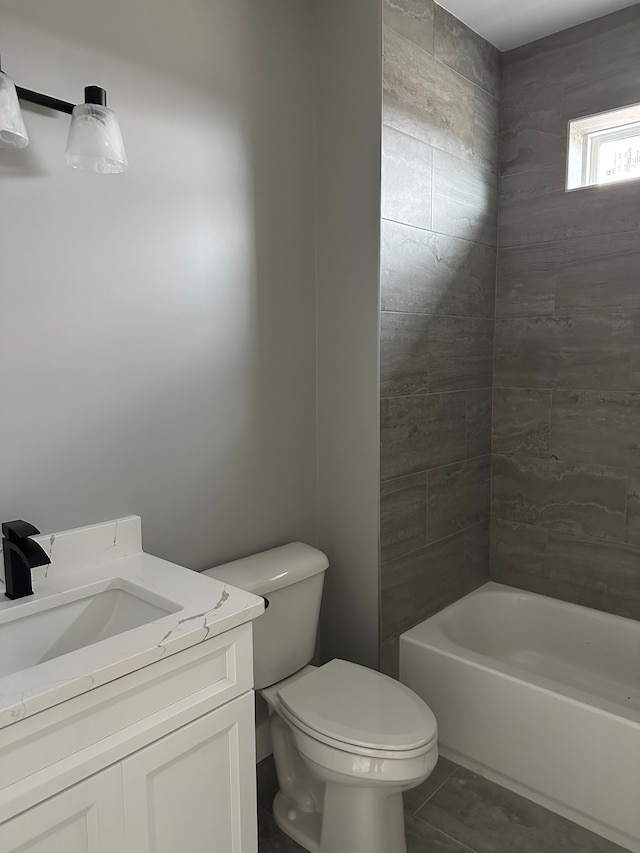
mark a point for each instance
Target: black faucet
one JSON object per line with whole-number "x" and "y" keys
{"x": 21, "y": 554}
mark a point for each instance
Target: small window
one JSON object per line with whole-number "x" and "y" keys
{"x": 604, "y": 148}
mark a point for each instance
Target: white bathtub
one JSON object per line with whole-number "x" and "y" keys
{"x": 541, "y": 696}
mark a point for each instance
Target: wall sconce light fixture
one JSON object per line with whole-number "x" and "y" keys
{"x": 94, "y": 143}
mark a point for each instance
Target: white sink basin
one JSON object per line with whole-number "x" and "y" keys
{"x": 102, "y": 609}
{"x": 75, "y": 620}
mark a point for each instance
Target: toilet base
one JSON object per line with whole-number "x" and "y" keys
{"x": 303, "y": 827}
{"x": 353, "y": 820}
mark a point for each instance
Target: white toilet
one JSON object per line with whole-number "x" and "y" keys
{"x": 347, "y": 741}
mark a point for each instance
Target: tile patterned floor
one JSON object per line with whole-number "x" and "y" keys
{"x": 456, "y": 811}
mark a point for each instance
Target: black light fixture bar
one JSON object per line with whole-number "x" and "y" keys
{"x": 92, "y": 95}
{"x": 44, "y": 100}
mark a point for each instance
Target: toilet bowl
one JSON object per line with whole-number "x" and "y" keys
{"x": 347, "y": 740}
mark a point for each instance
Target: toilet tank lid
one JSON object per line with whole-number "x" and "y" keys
{"x": 269, "y": 570}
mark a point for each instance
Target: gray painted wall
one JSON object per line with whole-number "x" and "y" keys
{"x": 349, "y": 105}
{"x": 439, "y": 234}
{"x": 566, "y": 430}
{"x": 158, "y": 328}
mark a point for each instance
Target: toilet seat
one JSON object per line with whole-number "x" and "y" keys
{"x": 359, "y": 711}
{"x": 352, "y": 749}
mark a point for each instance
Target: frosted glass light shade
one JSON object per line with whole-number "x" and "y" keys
{"x": 13, "y": 133}
{"x": 95, "y": 142}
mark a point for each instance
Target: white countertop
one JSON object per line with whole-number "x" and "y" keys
{"x": 93, "y": 557}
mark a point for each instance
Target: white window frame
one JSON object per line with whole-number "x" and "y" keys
{"x": 587, "y": 135}
{"x": 595, "y": 141}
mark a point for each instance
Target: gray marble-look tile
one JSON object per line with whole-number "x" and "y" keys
{"x": 421, "y": 584}
{"x": 602, "y": 427}
{"x": 589, "y": 351}
{"x": 421, "y": 432}
{"x": 521, "y": 421}
{"x": 599, "y": 48}
{"x": 489, "y": 818}
{"x": 535, "y": 208}
{"x": 522, "y": 355}
{"x": 477, "y": 564}
{"x": 602, "y": 575}
{"x": 390, "y": 657}
{"x": 418, "y": 796}
{"x": 403, "y": 515}
{"x": 466, "y": 52}
{"x": 478, "y": 433}
{"x": 465, "y": 200}
{"x": 486, "y": 131}
{"x": 634, "y": 320}
{"x": 404, "y": 354}
{"x": 526, "y": 281}
{"x": 406, "y": 178}
{"x": 458, "y": 496}
{"x": 598, "y": 274}
{"x": 533, "y": 130}
{"x": 568, "y": 497}
{"x": 592, "y": 351}
{"x": 426, "y": 99}
{"x": 601, "y": 90}
{"x": 460, "y": 353}
{"x": 429, "y": 273}
{"x": 633, "y": 508}
{"x": 518, "y": 555}
{"x": 414, "y": 19}
{"x": 577, "y": 55}
{"x": 422, "y": 838}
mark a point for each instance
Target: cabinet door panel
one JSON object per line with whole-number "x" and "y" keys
{"x": 195, "y": 788}
{"x": 86, "y": 818}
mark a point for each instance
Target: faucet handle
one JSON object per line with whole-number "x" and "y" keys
{"x": 14, "y": 531}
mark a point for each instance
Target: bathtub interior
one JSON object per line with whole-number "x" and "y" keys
{"x": 575, "y": 647}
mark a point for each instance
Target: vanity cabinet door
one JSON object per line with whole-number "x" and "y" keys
{"x": 86, "y": 818}
{"x": 195, "y": 788}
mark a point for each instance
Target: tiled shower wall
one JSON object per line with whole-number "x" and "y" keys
{"x": 439, "y": 235}
{"x": 566, "y": 429}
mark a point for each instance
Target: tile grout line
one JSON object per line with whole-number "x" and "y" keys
{"x": 568, "y": 314}
{"x": 541, "y": 388}
{"x": 582, "y": 538}
{"x": 433, "y": 230}
{"x": 441, "y": 61}
{"x": 437, "y": 393}
{"x": 615, "y": 468}
{"x": 446, "y": 835}
{"x": 436, "y": 542}
{"x": 440, "y": 467}
{"x": 434, "y": 792}
{"x": 432, "y": 172}
{"x": 495, "y": 323}
{"x": 561, "y": 240}
{"x": 426, "y": 524}
{"x": 431, "y": 314}
{"x": 466, "y": 427}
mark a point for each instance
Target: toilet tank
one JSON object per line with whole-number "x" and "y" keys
{"x": 290, "y": 578}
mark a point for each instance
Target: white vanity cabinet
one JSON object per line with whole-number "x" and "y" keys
{"x": 86, "y": 818}
{"x": 192, "y": 785}
{"x": 159, "y": 761}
